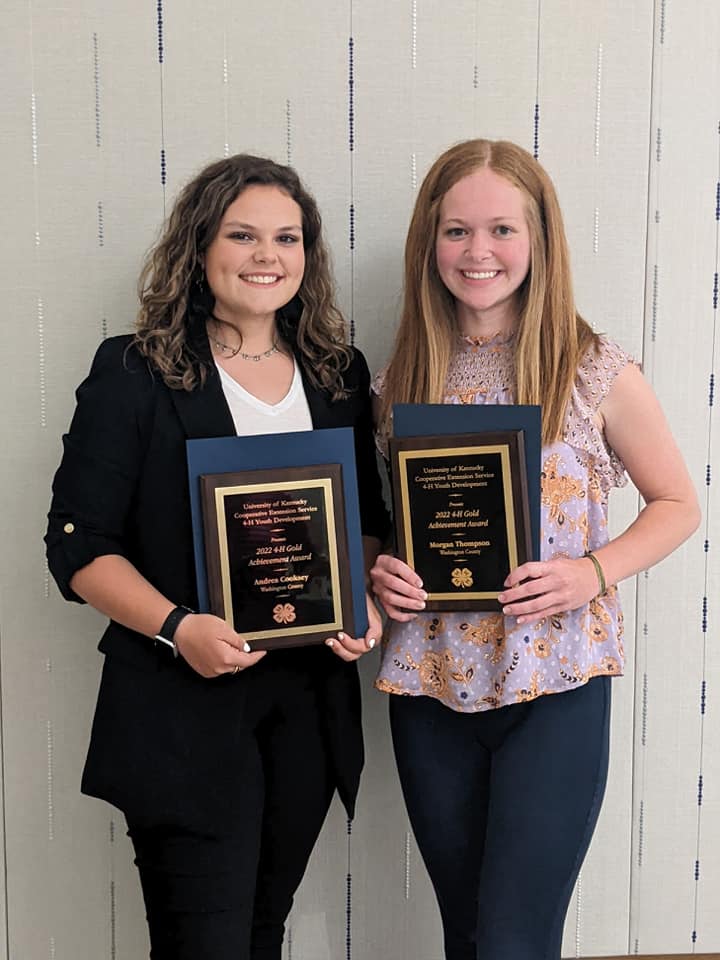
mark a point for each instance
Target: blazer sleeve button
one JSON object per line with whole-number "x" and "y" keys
{"x": 69, "y": 528}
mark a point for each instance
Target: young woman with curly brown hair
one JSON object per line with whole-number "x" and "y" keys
{"x": 224, "y": 761}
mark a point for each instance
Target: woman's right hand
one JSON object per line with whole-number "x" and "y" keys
{"x": 212, "y": 647}
{"x": 397, "y": 587}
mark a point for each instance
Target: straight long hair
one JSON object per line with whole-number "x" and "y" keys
{"x": 551, "y": 336}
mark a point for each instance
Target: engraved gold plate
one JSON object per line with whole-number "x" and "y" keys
{"x": 273, "y": 541}
{"x": 461, "y": 514}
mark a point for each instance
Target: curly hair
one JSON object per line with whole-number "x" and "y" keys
{"x": 173, "y": 295}
{"x": 551, "y": 338}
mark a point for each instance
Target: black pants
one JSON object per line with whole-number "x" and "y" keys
{"x": 503, "y": 805}
{"x": 226, "y": 895}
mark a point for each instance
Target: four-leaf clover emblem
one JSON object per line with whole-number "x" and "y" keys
{"x": 462, "y": 577}
{"x": 283, "y": 613}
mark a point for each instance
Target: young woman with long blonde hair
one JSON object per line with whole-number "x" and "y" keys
{"x": 500, "y": 721}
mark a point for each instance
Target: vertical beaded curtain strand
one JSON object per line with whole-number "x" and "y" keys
{"x": 161, "y": 64}
{"x": 598, "y": 167}
{"x": 351, "y": 240}
{"x": 113, "y": 898}
{"x": 476, "y": 68}
{"x": 413, "y": 187}
{"x": 100, "y": 180}
{"x": 348, "y": 894}
{"x": 640, "y": 762}
{"x": 100, "y": 183}
{"x": 413, "y": 69}
{"x": 39, "y": 303}
{"x": 351, "y": 163}
{"x": 40, "y": 320}
{"x": 579, "y": 913}
{"x": 226, "y": 80}
{"x": 536, "y": 112}
{"x": 697, "y": 893}
{"x": 226, "y": 93}
{"x": 288, "y": 132}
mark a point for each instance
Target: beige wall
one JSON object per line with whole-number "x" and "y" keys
{"x": 629, "y": 112}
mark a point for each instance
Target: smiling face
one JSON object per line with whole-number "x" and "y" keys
{"x": 482, "y": 247}
{"x": 256, "y": 261}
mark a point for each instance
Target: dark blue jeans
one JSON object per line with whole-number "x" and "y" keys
{"x": 503, "y": 805}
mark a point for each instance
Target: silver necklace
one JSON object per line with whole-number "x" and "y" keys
{"x": 237, "y": 352}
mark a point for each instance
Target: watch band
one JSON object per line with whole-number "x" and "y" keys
{"x": 166, "y": 633}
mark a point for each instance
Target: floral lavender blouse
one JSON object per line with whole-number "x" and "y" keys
{"x": 475, "y": 661}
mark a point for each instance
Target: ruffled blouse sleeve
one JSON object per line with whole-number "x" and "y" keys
{"x": 377, "y": 388}
{"x": 596, "y": 375}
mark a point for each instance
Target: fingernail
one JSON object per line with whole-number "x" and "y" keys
{"x": 501, "y": 597}
{"x": 247, "y": 648}
{"x": 419, "y": 583}
{"x": 330, "y": 642}
{"x": 371, "y": 643}
{"x": 341, "y": 636}
{"x": 425, "y": 596}
{"x": 506, "y": 610}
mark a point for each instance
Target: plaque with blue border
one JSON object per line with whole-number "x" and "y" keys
{"x": 466, "y": 495}
{"x": 277, "y": 537}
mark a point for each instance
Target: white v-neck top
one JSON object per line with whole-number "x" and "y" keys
{"x": 252, "y": 416}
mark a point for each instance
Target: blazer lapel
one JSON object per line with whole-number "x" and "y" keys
{"x": 323, "y": 412}
{"x": 204, "y": 412}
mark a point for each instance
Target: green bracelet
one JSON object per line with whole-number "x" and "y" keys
{"x": 599, "y": 571}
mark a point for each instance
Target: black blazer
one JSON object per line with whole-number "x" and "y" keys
{"x": 168, "y": 745}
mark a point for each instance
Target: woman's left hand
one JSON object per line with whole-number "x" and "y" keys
{"x": 348, "y": 648}
{"x": 538, "y": 589}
